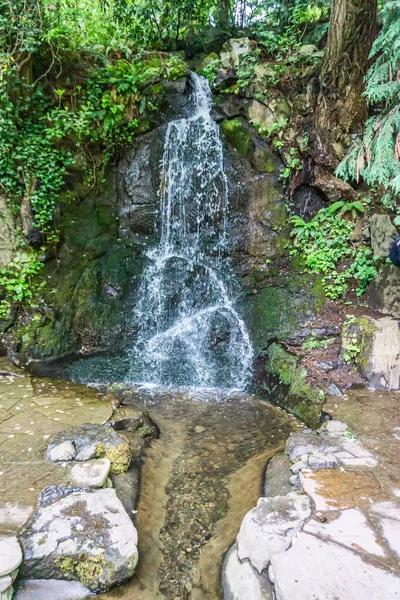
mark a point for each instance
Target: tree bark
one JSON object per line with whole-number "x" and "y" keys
{"x": 352, "y": 31}
{"x": 224, "y": 14}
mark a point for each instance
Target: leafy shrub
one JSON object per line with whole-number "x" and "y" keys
{"x": 324, "y": 243}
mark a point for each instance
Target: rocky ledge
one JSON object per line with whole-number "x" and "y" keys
{"x": 326, "y": 527}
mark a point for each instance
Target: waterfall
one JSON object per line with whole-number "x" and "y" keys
{"x": 189, "y": 330}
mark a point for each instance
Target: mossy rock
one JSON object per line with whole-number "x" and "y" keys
{"x": 296, "y": 394}
{"x": 119, "y": 456}
{"x": 276, "y": 311}
{"x": 237, "y": 132}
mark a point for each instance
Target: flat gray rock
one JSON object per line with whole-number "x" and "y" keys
{"x": 336, "y": 427}
{"x": 313, "y": 568}
{"x": 277, "y": 476}
{"x": 391, "y": 533}
{"x": 270, "y": 527}
{"x": 350, "y": 528}
{"x": 63, "y": 452}
{"x": 241, "y": 581}
{"x": 93, "y": 473}
{"x": 51, "y": 589}
{"x": 86, "y": 536}
{"x": 10, "y": 554}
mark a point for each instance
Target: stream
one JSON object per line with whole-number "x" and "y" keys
{"x": 198, "y": 480}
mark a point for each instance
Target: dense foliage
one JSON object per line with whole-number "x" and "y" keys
{"x": 325, "y": 246}
{"x": 377, "y": 157}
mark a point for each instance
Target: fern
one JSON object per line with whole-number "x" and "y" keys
{"x": 377, "y": 157}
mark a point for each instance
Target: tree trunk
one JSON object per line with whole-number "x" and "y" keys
{"x": 224, "y": 14}
{"x": 351, "y": 33}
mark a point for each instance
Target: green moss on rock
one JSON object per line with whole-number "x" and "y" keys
{"x": 237, "y": 134}
{"x": 298, "y": 396}
{"x": 119, "y": 456}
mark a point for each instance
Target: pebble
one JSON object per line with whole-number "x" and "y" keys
{"x": 199, "y": 429}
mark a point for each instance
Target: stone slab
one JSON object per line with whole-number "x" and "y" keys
{"x": 240, "y": 580}
{"x": 92, "y": 473}
{"x": 391, "y": 533}
{"x": 270, "y": 527}
{"x": 313, "y": 568}
{"x": 336, "y": 489}
{"x": 51, "y": 589}
{"x": 349, "y": 528}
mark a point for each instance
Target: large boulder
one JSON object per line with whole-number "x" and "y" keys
{"x": 85, "y": 536}
{"x": 383, "y": 232}
{"x": 234, "y": 49}
{"x": 374, "y": 347}
{"x": 270, "y": 527}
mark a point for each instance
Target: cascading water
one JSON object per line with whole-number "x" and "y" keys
{"x": 189, "y": 331}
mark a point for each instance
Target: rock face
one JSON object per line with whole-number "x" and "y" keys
{"x": 94, "y": 441}
{"x": 378, "y": 343}
{"x": 384, "y": 291}
{"x": 383, "y": 232}
{"x": 86, "y": 536}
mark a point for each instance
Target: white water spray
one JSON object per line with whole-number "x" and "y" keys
{"x": 189, "y": 331}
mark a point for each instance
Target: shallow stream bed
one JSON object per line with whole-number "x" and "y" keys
{"x": 198, "y": 481}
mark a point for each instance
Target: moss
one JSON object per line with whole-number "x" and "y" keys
{"x": 300, "y": 398}
{"x": 360, "y": 332}
{"x": 276, "y": 311}
{"x": 119, "y": 456}
{"x": 236, "y": 134}
{"x": 88, "y": 569}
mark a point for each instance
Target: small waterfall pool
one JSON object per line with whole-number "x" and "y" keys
{"x": 189, "y": 329}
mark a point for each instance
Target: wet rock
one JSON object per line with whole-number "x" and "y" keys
{"x": 333, "y": 390}
{"x": 129, "y": 418}
{"x": 63, "y": 452}
{"x": 93, "y": 473}
{"x": 51, "y": 589}
{"x": 85, "y": 536}
{"x": 383, "y": 233}
{"x": 224, "y": 81}
{"x": 106, "y": 441}
{"x": 240, "y": 580}
{"x": 307, "y": 201}
{"x": 270, "y": 527}
{"x": 311, "y": 568}
{"x": 320, "y": 460}
{"x": 277, "y": 476}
